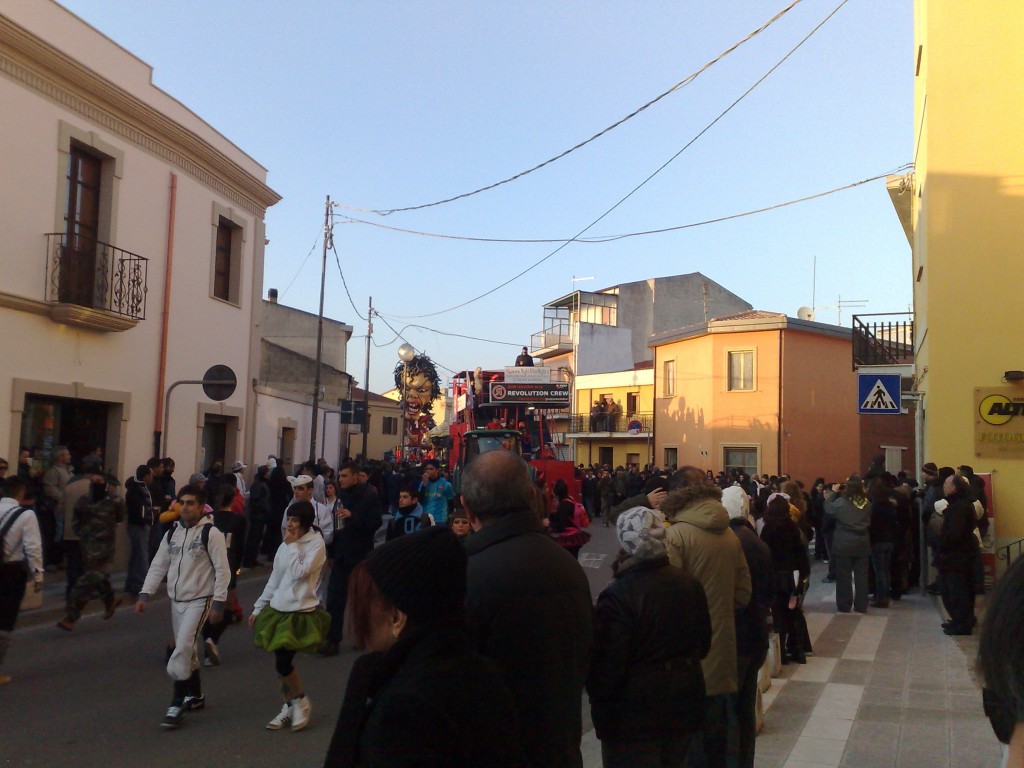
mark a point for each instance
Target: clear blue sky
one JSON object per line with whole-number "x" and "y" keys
{"x": 385, "y": 105}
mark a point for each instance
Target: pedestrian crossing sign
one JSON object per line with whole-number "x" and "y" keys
{"x": 878, "y": 393}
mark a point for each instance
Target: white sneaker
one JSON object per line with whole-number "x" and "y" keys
{"x": 301, "y": 710}
{"x": 283, "y": 719}
{"x": 212, "y": 654}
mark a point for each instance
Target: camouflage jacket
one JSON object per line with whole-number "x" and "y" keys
{"x": 95, "y": 524}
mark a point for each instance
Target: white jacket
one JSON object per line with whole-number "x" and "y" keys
{"x": 296, "y": 576}
{"x": 192, "y": 572}
{"x": 22, "y": 541}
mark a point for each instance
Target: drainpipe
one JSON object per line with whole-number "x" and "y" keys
{"x": 164, "y": 321}
{"x": 778, "y": 470}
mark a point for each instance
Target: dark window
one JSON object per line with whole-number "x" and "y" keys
{"x": 390, "y": 425}
{"x": 222, "y": 260}
{"x": 82, "y": 224}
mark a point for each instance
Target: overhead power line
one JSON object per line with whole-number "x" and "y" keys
{"x": 681, "y": 84}
{"x": 601, "y": 239}
{"x": 303, "y": 264}
{"x": 443, "y": 333}
{"x": 337, "y": 260}
{"x": 400, "y": 336}
{"x": 643, "y": 183}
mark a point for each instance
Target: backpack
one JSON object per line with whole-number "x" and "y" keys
{"x": 12, "y": 518}
{"x": 580, "y": 518}
{"x": 204, "y": 537}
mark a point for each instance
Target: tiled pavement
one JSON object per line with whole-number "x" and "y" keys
{"x": 883, "y": 690}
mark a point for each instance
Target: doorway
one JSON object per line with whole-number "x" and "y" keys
{"x": 81, "y": 425}
{"x": 214, "y": 441}
{"x": 605, "y": 455}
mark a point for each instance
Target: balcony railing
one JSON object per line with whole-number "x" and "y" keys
{"x": 583, "y": 423}
{"x": 96, "y": 275}
{"x": 558, "y": 334}
{"x": 883, "y": 339}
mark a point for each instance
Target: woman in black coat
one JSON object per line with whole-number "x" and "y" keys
{"x": 789, "y": 554}
{"x": 421, "y": 698}
{"x": 652, "y": 628}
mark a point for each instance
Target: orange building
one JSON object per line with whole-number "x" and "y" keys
{"x": 761, "y": 392}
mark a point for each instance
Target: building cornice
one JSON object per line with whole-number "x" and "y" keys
{"x": 55, "y": 75}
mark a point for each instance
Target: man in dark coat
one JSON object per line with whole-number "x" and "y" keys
{"x": 751, "y": 620}
{"x": 957, "y": 548}
{"x": 528, "y": 608}
{"x": 280, "y": 496}
{"x": 358, "y": 518}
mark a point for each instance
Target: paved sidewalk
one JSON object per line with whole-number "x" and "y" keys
{"x": 882, "y": 690}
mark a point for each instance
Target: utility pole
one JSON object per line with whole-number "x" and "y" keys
{"x": 320, "y": 334}
{"x": 366, "y": 377}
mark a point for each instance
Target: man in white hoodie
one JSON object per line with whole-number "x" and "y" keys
{"x": 21, "y": 553}
{"x": 194, "y": 558}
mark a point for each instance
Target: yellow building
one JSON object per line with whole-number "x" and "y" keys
{"x": 621, "y": 439}
{"x": 963, "y": 210}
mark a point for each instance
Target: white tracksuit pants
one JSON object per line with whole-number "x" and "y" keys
{"x": 187, "y": 619}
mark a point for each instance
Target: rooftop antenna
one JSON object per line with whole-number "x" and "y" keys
{"x": 578, "y": 279}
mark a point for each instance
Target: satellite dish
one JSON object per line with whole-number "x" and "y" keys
{"x": 805, "y": 313}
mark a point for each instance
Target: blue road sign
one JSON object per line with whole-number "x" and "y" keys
{"x": 878, "y": 393}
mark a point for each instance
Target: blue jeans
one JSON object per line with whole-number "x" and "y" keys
{"x": 138, "y": 559}
{"x": 881, "y": 561}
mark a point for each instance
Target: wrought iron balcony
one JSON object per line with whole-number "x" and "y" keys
{"x": 883, "y": 339}
{"x": 621, "y": 423}
{"x": 96, "y": 275}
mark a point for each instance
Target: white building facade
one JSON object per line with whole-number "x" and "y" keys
{"x": 131, "y": 244}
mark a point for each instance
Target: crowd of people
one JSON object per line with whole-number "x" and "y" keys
{"x": 468, "y": 606}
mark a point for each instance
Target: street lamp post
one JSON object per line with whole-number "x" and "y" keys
{"x": 406, "y": 353}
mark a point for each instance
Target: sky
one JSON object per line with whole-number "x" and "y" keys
{"x": 384, "y": 105}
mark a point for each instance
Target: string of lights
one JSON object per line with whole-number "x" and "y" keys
{"x": 681, "y": 84}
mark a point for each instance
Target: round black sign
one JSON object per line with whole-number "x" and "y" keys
{"x": 219, "y": 383}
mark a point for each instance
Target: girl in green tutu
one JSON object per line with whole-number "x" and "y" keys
{"x": 287, "y": 619}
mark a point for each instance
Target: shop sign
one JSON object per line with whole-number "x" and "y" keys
{"x": 999, "y": 422}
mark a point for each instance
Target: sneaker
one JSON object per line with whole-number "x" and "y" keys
{"x": 212, "y": 654}
{"x": 283, "y": 719}
{"x": 173, "y": 718}
{"x": 301, "y": 710}
{"x": 67, "y": 623}
{"x": 194, "y": 702}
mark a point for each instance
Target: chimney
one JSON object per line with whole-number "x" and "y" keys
{"x": 272, "y": 295}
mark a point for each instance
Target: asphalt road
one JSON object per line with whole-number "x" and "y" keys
{"x": 95, "y": 697}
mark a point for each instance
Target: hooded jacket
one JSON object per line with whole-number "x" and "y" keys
{"x": 193, "y": 572}
{"x": 139, "y": 502}
{"x": 297, "y": 569}
{"x": 700, "y": 542}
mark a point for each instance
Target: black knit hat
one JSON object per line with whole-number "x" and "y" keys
{"x": 422, "y": 574}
